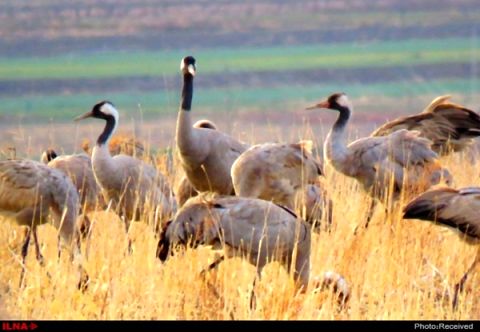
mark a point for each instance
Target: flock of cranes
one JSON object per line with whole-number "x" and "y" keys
{"x": 241, "y": 198}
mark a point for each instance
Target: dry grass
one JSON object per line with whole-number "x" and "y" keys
{"x": 396, "y": 269}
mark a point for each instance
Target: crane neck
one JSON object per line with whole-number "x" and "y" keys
{"x": 187, "y": 142}
{"x": 336, "y": 150}
{"x": 110, "y": 127}
{"x": 342, "y": 119}
{"x": 187, "y": 92}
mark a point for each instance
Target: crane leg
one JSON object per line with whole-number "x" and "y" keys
{"x": 460, "y": 285}
{"x": 85, "y": 226}
{"x": 24, "y": 252}
{"x": 83, "y": 279}
{"x": 253, "y": 298}
{"x": 38, "y": 254}
{"x": 370, "y": 211}
{"x": 76, "y": 252}
{"x": 127, "y": 228}
{"x": 210, "y": 267}
{"x": 213, "y": 265}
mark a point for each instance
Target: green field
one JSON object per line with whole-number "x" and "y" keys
{"x": 64, "y": 107}
{"x": 276, "y": 95}
{"x": 152, "y": 63}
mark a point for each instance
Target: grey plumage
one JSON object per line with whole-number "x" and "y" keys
{"x": 32, "y": 194}
{"x": 185, "y": 189}
{"x": 31, "y": 191}
{"x": 276, "y": 172}
{"x": 78, "y": 167}
{"x": 455, "y": 209}
{"x": 247, "y": 227}
{"x": 373, "y": 161}
{"x": 206, "y": 155}
{"x": 449, "y": 126}
{"x": 134, "y": 187}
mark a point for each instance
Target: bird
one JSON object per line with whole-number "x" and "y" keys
{"x": 275, "y": 171}
{"x": 450, "y": 127}
{"x": 79, "y": 168}
{"x": 133, "y": 186}
{"x": 205, "y": 123}
{"x": 184, "y": 189}
{"x": 48, "y": 155}
{"x": 453, "y": 208}
{"x": 247, "y": 227}
{"x": 314, "y": 205}
{"x": 383, "y": 165}
{"x": 206, "y": 155}
{"x": 336, "y": 282}
{"x": 30, "y": 193}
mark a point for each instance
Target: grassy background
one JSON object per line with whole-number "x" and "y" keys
{"x": 391, "y": 56}
{"x": 396, "y": 269}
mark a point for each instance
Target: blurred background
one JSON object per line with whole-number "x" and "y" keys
{"x": 260, "y": 63}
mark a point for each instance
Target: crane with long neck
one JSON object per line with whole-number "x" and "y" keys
{"x": 205, "y": 155}
{"x": 131, "y": 184}
{"x": 403, "y": 156}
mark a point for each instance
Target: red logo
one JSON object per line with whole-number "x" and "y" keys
{"x": 18, "y": 326}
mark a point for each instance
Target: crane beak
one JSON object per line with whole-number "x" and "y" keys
{"x": 192, "y": 70}
{"x": 322, "y": 104}
{"x": 84, "y": 116}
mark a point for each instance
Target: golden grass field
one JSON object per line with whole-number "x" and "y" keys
{"x": 396, "y": 269}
